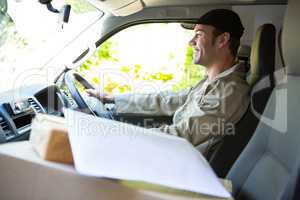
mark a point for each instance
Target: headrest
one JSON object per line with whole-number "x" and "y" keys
{"x": 290, "y": 38}
{"x": 244, "y": 52}
{"x": 262, "y": 58}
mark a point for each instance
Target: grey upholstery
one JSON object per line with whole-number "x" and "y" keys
{"x": 262, "y": 66}
{"x": 290, "y": 40}
{"x": 270, "y": 162}
{"x": 292, "y": 189}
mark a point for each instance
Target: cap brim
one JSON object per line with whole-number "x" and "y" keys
{"x": 189, "y": 26}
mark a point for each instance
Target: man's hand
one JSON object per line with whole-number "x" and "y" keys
{"x": 105, "y": 98}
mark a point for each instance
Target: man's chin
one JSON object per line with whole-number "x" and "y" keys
{"x": 198, "y": 62}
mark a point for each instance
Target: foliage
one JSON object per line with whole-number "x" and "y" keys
{"x": 10, "y": 39}
{"x": 104, "y": 53}
{"x": 106, "y": 57}
{"x": 192, "y": 73}
{"x": 80, "y": 6}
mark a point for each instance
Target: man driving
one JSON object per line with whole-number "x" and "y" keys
{"x": 212, "y": 107}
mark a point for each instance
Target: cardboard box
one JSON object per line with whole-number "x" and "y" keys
{"x": 49, "y": 138}
{"x": 24, "y": 175}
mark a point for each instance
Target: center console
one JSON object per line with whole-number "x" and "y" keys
{"x": 15, "y": 118}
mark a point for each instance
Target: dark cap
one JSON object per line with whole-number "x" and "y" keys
{"x": 224, "y": 20}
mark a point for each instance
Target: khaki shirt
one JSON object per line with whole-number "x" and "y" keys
{"x": 208, "y": 110}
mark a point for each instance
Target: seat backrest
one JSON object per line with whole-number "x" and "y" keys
{"x": 262, "y": 57}
{"x": 292, "y": 189}
{"x": 262, "y": 67}
{"x": 268, "y": 162}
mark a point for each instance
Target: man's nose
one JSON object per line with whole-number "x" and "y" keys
{"x": 192, "y": 42}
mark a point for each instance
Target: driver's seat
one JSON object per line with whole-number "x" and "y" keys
{"x": 260, "y": 77}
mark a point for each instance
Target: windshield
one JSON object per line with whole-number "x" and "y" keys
{"x": 33, "y": 37}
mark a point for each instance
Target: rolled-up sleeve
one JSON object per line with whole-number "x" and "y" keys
{"x": 164, "y": 103}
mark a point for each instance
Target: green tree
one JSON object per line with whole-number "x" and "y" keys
{"x": 190, "y": 75}
{"x": 104, "y": 53}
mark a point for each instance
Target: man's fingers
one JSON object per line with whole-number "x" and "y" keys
{"x": 88, "y": 91}
{"x": 91, "y": 92}
{"x": 102, "y": 97}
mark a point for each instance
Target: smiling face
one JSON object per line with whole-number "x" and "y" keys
{"x": 203, "y": 45}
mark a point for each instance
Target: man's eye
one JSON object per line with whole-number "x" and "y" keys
{"x": 199, "y": 34}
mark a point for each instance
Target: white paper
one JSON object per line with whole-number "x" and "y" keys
{"x": 106, "y": 148}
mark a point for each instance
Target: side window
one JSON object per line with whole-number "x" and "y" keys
{"x": 144, "y": 58}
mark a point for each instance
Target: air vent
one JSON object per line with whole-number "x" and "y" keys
{"x": 69, "y": 98}
{"x": 71, "y": 101}
{"x": 35, "y": 106}
{"x": 3, "y": 124}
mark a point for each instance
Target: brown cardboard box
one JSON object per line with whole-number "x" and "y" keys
{"x": 24, "y": 175}
{"x": 49, "y": 138}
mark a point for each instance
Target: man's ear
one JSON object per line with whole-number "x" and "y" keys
{"x": 223, "y": 39}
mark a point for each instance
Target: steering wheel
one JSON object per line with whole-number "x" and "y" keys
{"x": 90, "y": 105}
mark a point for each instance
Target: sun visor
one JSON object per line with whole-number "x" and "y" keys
{"x": 120, "y": 7}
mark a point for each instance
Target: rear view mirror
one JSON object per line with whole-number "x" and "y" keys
{"x": 64, "y": 12}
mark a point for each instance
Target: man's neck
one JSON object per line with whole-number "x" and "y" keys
{"x": 218, "y": 67}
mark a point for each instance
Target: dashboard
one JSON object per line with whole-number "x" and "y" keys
{"x": 18, "y": 108}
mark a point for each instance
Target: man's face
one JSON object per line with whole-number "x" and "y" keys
{"x": 203, "y": 45}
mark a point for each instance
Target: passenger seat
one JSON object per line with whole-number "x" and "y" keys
{"x": 269, "y": 167}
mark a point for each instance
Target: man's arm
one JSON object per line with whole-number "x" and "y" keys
{"x": 212, "y": 119}
{"x": 164, "y": 103}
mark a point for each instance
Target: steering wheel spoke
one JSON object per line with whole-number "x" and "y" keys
{"x": 90, "y": 105}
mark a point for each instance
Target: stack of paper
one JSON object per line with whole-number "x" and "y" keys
{"x": 106, "y": 148}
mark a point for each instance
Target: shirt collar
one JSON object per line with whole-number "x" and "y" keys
{"x": 225, "y": 73}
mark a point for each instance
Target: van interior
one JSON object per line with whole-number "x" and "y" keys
{"x": 261, "y": 159}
